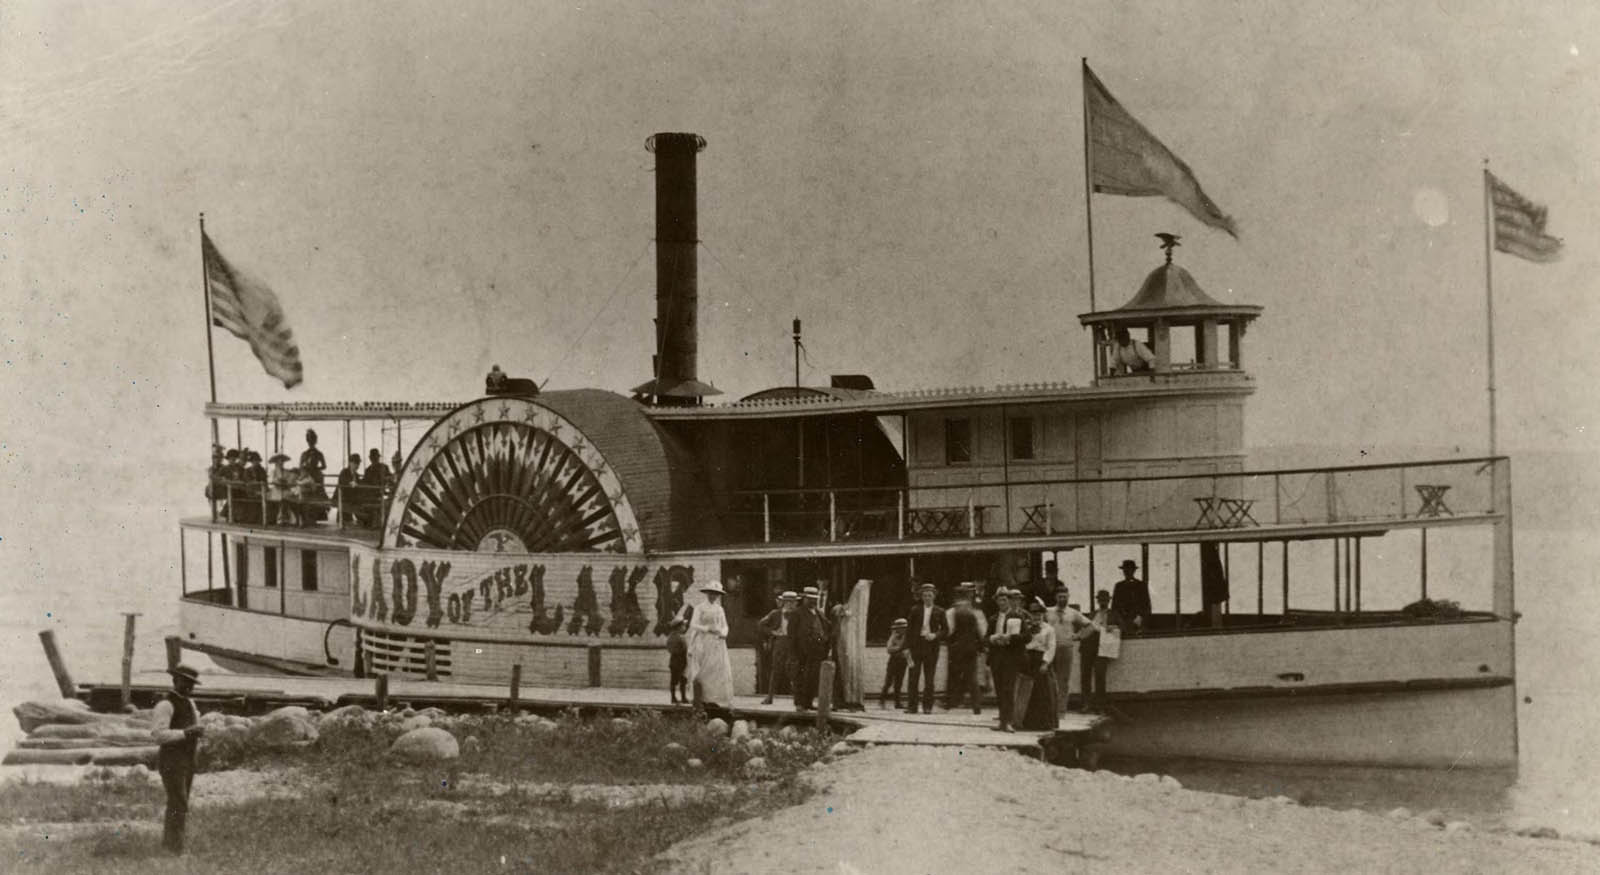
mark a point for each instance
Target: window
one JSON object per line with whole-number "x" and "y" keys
{"x": 957, "y": 441}
{"x": 269, "y": 562}
{"x": 308, "y": 570}
{"x": 1022, "y": 438}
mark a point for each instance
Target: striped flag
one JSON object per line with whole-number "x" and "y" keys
{"x": 250, "y": 311}
{"x": 1125, "y": 158}
{"x": 1519, "y": 224}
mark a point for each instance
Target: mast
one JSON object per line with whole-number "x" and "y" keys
{"x": 1488, "y": 291}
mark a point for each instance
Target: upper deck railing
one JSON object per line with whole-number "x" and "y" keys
{"x": 1375, "y": 494}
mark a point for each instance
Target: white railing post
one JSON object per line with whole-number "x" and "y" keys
{"x": 833, "y": 517}
{"x": 766, "y": 517}
{"x": 900, "y": 508}
{"x": 972, "y": 517}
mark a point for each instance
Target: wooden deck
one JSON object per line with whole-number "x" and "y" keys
{"x": 257, "y": 693}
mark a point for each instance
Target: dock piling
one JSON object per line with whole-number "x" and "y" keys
{"x": 516, "y": 684}
{"x": 127, "y": 659}
{"x": 431, "y": 654}
{"x": 174, "y": 651}
{"x": 594, "y": 665}
{"x": 58, "y": 666}
{"x": 824, "y": 693}
{"x": 381, "y": 691}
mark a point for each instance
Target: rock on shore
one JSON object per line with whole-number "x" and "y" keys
{"x": 918, "y": 809}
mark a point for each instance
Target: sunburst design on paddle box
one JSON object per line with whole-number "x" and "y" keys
{"x": 524, "y": 480}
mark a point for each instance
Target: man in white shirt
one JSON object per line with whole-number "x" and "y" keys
{"x": 925, "y": 630}
{"x": 1130, "y": 356}
{"x": 1066, "y": 621}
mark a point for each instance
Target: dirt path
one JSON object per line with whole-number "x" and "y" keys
{"x": 934, "y": 810}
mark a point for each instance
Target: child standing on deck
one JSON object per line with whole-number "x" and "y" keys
{"x": 678, "y": 663}
{"x": 895, "y": 675}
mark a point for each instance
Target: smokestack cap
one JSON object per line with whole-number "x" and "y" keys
{"x": 698, "y": 141}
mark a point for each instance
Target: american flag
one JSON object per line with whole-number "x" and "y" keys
{"x": 251, "y": 312}
{"x": 1519, "y": 224}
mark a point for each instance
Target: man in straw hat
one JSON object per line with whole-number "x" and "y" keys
{"x": 179, "y": 741}
{"x": 926, "y": 628}
{"x": 776, "y": 636}
{"x": 810, "y": 646}
{"x": 1130, "y": 598}
{"x": 894, "y": 674}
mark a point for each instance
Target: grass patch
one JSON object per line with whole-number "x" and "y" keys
{"x": 362, "y": 811}
{"x": 101, "y": 796}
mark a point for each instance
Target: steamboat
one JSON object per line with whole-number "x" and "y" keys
{"x": 562, "y": 530}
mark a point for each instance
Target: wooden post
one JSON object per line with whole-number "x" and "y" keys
{"x": 1177, "y": 585}
{"x": 58, "y": 666}
{"x": 127, "y": 659}
{"x": 430, "y": 656}
{"x": 766, "y": 517}
{"x": 1357, "y": 566}
{"x": 594, "y": 665}
{"x": 1285, "y": 609}
{"x": 381, "y": 691}
{"x": 174, "y": 651}
{"x": 516, "y": 684}
{"x": 183, "y": 561}
{"x": 972, "y": 517}
{"x": 833, "y": 517}
{"x": 1261, "y": 577}
{"x": 1424, "y": 563}
{"x": 1336, "y": 575}
{"x": 825, "y": 692}
{"x": 900, "y": 508}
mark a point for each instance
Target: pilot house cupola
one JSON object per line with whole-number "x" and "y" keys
{"x": 1171, "y": 329}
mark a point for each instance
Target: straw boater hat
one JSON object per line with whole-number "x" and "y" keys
{"x": 926, "y": 586}
{"x": 184, "y": 671}
{"x": 964, "y": 586}
{"x": 898, "y": 624}
{"x": 713, "y": 586}
{"x": 810, "y": 592}
{"x": 789, "y": 595}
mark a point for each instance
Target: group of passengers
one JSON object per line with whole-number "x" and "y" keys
{"x": 246, "y": 492}
{"x": 1025, "y": 642}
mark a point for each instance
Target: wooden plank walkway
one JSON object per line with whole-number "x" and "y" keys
{"x": 871, "y": 726}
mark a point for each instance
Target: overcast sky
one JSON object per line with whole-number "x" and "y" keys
{"x": 432, "y": 188}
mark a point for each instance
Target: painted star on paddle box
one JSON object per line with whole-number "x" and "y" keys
{"x": 477, "y": 414}
{"x": 505, "y": 410}
{"x": 530, "y": 415}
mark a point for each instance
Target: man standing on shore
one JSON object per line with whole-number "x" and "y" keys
{"x": 810, "y": 642}
{"x": 925, "y": 628}
{"x": 179, "y": 741}
{"x": 776, "y": 636}
{"x": 1066, "y": 621}
{"x": 968, "y": 628}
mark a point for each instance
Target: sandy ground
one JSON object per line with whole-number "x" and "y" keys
{"x": 934, "y": 810}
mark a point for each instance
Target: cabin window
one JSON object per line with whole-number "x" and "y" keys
{"x": 269, "y": 567}
{"x": 957, "y": 441}
{"x": 1022, "y": 439}
{"x": 308, "y": 570}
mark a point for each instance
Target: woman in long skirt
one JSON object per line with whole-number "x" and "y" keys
{"x": 1040, "y": 712}
{"x": 710, "y": 675}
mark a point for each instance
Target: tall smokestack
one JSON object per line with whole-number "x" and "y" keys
{"x": 677, "y": 272}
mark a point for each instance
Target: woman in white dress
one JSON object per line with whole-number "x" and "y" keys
{"x": 710, "y": 675}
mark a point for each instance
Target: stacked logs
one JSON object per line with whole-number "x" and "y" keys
{"x": 66, "y": 732}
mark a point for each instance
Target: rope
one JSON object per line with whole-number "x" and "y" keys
{"x": 597, "y": 313}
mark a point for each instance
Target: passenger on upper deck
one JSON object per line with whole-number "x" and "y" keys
{"x": 1130, "y": 356}
{"x": 280, "y": 496}
{"x": 377, "y": 472}
{"x": 1130, "y": 599}
{"x": 349, "y": 480}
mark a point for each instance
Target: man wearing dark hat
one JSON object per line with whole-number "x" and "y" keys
{"x": 350, "y": 487}
{"x": 178, "y": 744}
{"x": 968, "y": 628}
{"x": 925, "y": 629}
{"x": 810, "y": 645}
{"x": 1131, "y": 599}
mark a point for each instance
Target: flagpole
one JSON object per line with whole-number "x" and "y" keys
{"x": 1088, "y": 178}
{"x": 1488, "y": 289}
{"x": 211, "y": 362}
{"x": 1088, "y": 210}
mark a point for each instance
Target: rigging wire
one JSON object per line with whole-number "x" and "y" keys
{"x": 597, "y": 313}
